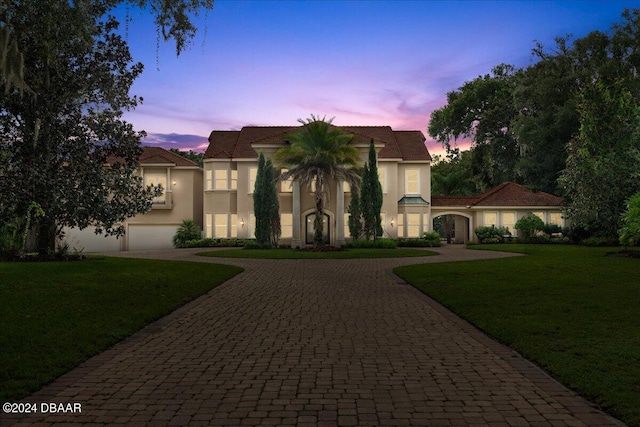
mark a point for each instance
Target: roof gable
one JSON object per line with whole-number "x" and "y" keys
{"x": 158, "y": 155}
{"x": 506, "y": 194}
{"x": 406, "y": 145}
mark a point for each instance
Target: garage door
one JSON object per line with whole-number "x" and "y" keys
{"x": 145, "y": 237}
{"x": 88, "y": 241}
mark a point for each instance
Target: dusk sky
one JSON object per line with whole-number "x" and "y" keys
{"x": 269, "y": 63}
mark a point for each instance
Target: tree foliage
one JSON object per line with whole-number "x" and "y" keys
{"x": 529, "y": 225}
{"x": 567, "y": 124}
{"x": 630, "y": 231}
{"x": 265, "y": 204}
{"x": 65, "y": 146}
{"x": 603, "y": 163}
{"x": 190, "y": 155}
{"x": 319, "y": 155}
{"x": 355, "y": 215}
{"x": 371, "y": 197}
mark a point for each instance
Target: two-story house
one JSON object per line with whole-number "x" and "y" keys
{"x": 231, "y": 163}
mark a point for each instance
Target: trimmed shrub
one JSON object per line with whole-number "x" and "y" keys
{"x": 433, "y": 238}
{"x": 492, "y": 234}
{"x": 255, "y": 245}
{"x": 600, "y": 241}
{"x": 551, "y": 229}
{"x": 187, "y": 231}
{"x": 528, "y": 226}
{"x": 372, "y": 244}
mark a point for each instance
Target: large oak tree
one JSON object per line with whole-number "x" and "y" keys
{"x": 64, "y": 145}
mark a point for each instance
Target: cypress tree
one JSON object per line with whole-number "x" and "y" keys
{"x": 371, "y": 197}
{"x": 376, "y": 190}
{"x": 366, "y": 204}
{"x": 260, "y": 208}
{"x": 355, "y": 215}
{"x": 272, "y": 205}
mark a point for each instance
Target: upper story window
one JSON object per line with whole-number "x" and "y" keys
{"x": 346, "y": 187}
{"x": 208, "y": 179}
{"x": 157, "y": 179}
{"x": 286, "y": 186}
{"x": 412, "y": 181}
{"x": 234, "y": 180}
{"x": 220, "y": 176}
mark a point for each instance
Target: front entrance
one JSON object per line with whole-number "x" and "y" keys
{"x": 326, "y": 233}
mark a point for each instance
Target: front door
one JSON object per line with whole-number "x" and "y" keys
{"x": 310, "y": 231}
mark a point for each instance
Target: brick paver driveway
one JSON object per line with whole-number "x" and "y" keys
{"x": 314, "y": 342}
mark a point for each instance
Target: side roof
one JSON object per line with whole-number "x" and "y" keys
{"x": 406, "y": 145}
{"x": 506, "y": 194}
{"x": 158, "y": 155}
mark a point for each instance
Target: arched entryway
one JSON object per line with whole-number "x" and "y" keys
{"x": 310, "y": 232}
{"x": 452, "y": 226}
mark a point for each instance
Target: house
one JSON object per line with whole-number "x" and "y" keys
{"x": 182, "y": 199}
{"x": 231, "y": 163}
{"x": 501, "y": 206}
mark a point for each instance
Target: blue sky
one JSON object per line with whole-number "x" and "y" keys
{"x": 362, "y": 62}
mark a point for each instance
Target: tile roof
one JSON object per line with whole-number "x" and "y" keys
{"x": 408, "y": 145}
{"x": 158, "y": 155}
{"x": 506, "y": 194}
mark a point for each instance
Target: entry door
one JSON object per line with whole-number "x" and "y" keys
{"x": 310, "y": 231}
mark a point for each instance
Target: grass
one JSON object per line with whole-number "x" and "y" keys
{"x": 572, "y": 310}
{"x": 55, "y": 315}
{"x": 294, "y": 254}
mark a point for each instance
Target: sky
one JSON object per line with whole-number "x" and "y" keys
{"x": 363, "y": 63}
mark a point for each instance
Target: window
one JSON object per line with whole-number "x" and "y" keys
{"x": 412, "y": 181}
{"x": 413, "y": 225}
{"x": 382, "y": 177}
{"x": 346, "y": 187}
{"x": 555, "y": 218}
{"x": 208, "y": 176}
{"x": 157, "y": 179}
{"x": 509, "y": 221}
{"x": 221, "y": 225}
{"x": 234, "y": 226}
{"x": 252, "y": 179}
{"x": 220, "y": 179}
{"x": 234, "y": 180}
{"x": 286, "y": 186}
{"x": 208, "y": 224}
{"x": 490, "y": 218}
{"x": 286, "y": 225}
{"x": 400, "y": 225}
{"x": 539, "y": 215}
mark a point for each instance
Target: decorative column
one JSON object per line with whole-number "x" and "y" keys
{"x": 295, "y": 208}
{"x": 340, "y": 215}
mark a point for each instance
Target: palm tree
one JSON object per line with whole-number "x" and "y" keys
{"x": 318, "y": 154}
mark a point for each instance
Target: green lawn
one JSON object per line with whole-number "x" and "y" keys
{"x": 293, "y": 254}
{"x": 55, "y": 315}
{"x": 572, "y": 310}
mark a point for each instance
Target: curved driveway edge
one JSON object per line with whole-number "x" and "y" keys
{"x": 312, "y": 342}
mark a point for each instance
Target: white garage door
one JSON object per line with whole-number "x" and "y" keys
{"x": 144, "y": 237}
{"x": 88, "y": 241}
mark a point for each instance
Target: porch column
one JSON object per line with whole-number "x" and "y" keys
{"x": 340, "y": 215}
{"x": 295, "y": 207}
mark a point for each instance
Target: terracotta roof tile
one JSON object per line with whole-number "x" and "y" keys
{"x": 160, "y": 155}
{"x": 408, "y": 145}
{"x": 506, "y": 194}
{"x": 222, "y": 143}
